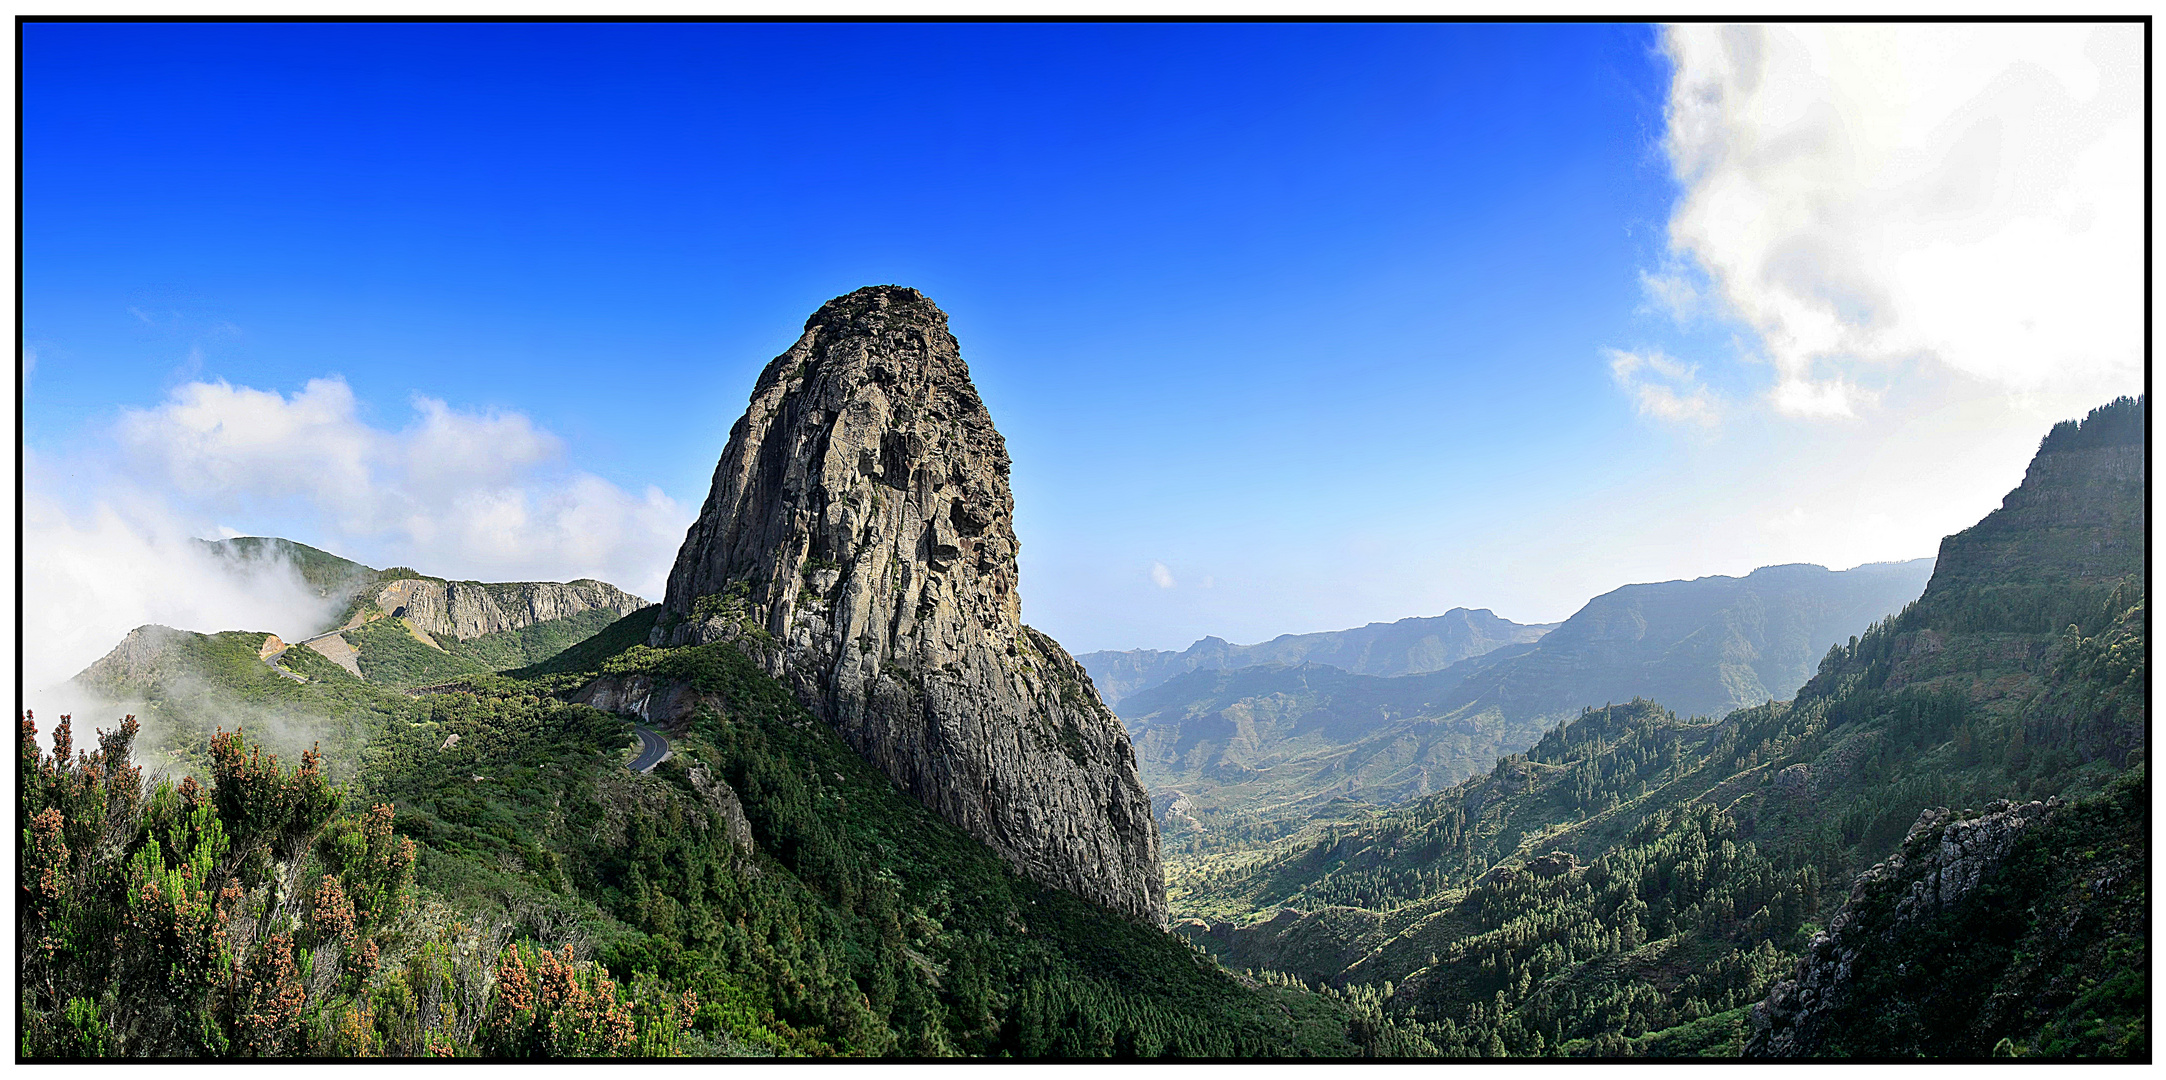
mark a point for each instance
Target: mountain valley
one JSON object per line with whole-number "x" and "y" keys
{"x": 1247, "y": 755}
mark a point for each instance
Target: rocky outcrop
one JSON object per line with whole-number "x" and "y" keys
{"x": 667, "y": 706}
{"x": 144, "y": 657}
{"x": 469, "y": 609}
{"x": 2079, "y": 519}
{"x": 621, "y": 794}
{"x": 1944, "y": 858}
{"x": 858, "y": 543}
{"x": 717, "y": 795}
{"x": 338, "y": 650}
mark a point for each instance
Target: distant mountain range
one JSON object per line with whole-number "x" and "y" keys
{"x": 1406, "y": 647}
{"x": 1228, "y": 749}
{"x": 1700, "y": 647}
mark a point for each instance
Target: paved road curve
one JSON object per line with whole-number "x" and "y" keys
{"x": 652, "y": 749}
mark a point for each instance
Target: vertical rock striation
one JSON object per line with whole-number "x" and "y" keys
{"x": 470, "y": 609}
{"x": 859, "y": 544}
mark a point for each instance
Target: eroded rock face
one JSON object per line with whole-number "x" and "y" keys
{"x": 469, "y": 609}
{"x": 1944, "y": 858}
{"x": 144, "y": 656}
{"x": 666, "y": 706}
{"x": 858, "y": 543}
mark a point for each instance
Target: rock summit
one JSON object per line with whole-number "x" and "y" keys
{"x": 859, "y": 543}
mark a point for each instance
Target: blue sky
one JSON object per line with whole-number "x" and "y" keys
{"x": 1288, "y": 327}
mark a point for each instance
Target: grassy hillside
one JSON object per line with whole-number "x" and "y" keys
{"x": 329, "y": 575}
{"x": 387, "y": 651}
{"x": 588, "y": 654}
{"x": 186, "y": 686}
{"x": 392, "y": 656}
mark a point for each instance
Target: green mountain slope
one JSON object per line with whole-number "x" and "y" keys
{"x": 389, "y": 653}
{"x": 1407, "y": 647}
{"x": 401, "y": 628}
{"x": 331, "y": 576}
{"x": 765, "y": 884}
{"x": 1636, "y": 880}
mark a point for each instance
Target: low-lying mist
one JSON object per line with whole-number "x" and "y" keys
{"x": 178, "y": 719}
{"x": 89, "y": 579}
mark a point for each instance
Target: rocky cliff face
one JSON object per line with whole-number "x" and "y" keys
{"x": 145, "y": 656}
{"x": 1944, "y": 858}
{"x": 2078, "y": 519}
{"x": 468, "y": 609}
{"x": 858, "y": 543}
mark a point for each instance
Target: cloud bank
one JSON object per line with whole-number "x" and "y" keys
{"x": 89, "y": 579}
{"x": 1868, "y": 197}
{"x": 465, "y": 494}
{"x": 458, "y": 493}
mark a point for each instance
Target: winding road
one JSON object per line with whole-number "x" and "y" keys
{"x": 653, "y": 748}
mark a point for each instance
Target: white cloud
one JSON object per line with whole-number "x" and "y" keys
{"x": 1671, "y": 291}
{"x": 1161, "y": 576}
{"x": 1826, "y": 398}
{"x": 89, "y": 578}
{"x": 1663, "y": 387}
{"x": 458, "y": 493}
{"x": 229, "y": 446}
{"x": 1867, "y": 196}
